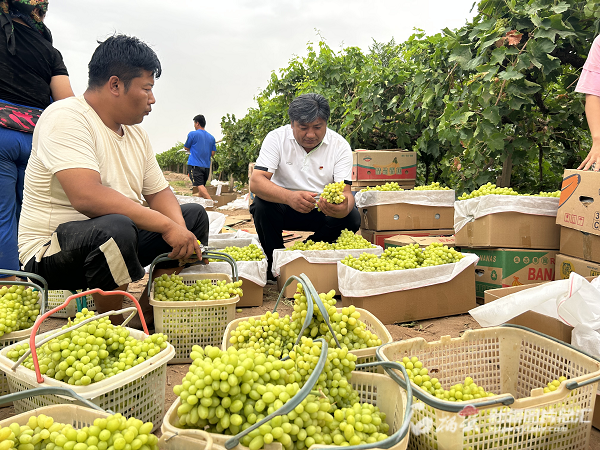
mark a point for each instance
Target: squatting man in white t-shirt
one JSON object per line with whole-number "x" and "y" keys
{"x": 83, "y": 224}
{"x": 295, "y": 163}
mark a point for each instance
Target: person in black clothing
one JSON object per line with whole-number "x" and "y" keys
{"x": 33, "y": 75}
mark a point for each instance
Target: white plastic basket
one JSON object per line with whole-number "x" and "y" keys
{"x": 5, "y": 341}
{"x": 193, "y": 323}
{"x": 77, "y": 416}
{"x": 138, "y": 392}
{"x": 364, "y": 355}
{"x": 508, "y": 361}
{"x": 376, "y": 389}
{"x": 57, "y": 298}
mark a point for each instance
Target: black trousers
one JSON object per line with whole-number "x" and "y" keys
{"x": 108, "y": 251}
{"x": 270, "y": 219}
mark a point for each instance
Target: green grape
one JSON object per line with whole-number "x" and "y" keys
{"x": 171, "y": 288}
{"x": 334, "y": 192}
{"x": 392, "y": 186}
{"x": 347, "y": 240}
{"x": 406, "y": 257}
{"x": 91, "y": 353}
{"x": 250, "y": 252}
{"x": 270, "y": 334}
{"x": 492, "y": 189}
{"x": 432, "y": 187}
{"x": 42, "y": 432}
{"x": 19, "y": 308}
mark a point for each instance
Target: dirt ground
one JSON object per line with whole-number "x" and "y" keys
{"x": 430, "y": 330}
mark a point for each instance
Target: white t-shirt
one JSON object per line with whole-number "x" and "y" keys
{"x": 296, "y": 170}
{"x": 70, "y": 135}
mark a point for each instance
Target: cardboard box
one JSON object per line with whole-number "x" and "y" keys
{"x": 388, "y": 165}
{"x": 403, "y": 239}
{"x": 579, "y": 205}
{"x": 323, "y": 276}
{"x": 580, "y": 244}
{"x": 567, "y": 264}
{"x": 379, "y": 237}
{"x": 440, "y": 300}
{"x": 406, "y": 217}
{"x": 596, "y": 417}
{"x": 253, "y": 294}
{"x": 510, "y": 230}
{"x": 505, "y": 267}
{"x": 223, "y": 199}
{"x": 530, "y": 319}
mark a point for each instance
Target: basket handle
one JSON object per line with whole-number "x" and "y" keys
{"x": 442, "y": 405}
{"x": 203, "y": 435}
{"x": 310, "y": 293}
{"x": 38, "y": 322}
{"x": 571, "y": 385}
{"x": 32, "y": 276}
{"x": 402, "y": 431}
{"x": 293, "y": 402}
{"x": 48, "y": 390}
{"x": 205, "y": 254}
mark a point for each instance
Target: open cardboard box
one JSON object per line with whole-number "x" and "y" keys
{"x": 457, "y": 296}
{"x": 388, "y": 165}
{"x": 379, "y": 237}
{"x": 407, "y": 217}
{"x": 323, "y": 276}
{"x": 253, "y": 294}
{"x": 510, "y": 230}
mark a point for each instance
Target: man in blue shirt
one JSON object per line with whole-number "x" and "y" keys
{"x": 200, "y": 145}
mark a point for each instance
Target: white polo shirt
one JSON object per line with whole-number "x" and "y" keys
{"x": 296, "y": 170}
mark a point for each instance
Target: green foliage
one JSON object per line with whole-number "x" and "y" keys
{"x": 172, "y": 157}
{"x": 500, "y": 87}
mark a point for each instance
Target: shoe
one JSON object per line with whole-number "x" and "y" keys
{"x": 270, "y": 278}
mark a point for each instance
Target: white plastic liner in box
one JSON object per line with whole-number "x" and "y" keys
{"x": 282, "y": 257}
{"x": 138, "y": 392}
{"x": 255, "y": 271}
{"x": 354, "y": 283}
{"x": 466, "y": 211}
{"x": 239, "y": 234}
{"x": 425, "y": 198}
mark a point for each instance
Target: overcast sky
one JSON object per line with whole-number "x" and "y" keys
{"x": 216, "y": 57}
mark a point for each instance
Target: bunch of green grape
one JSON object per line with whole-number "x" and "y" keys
{"x": 350, "y": 331}
{"x": 435, "y": 186}
{"x": 334, "y": 192}
{"x": 250, "y": 252}
{"x": 227, "y": 391}
{"x": 492, "y": 189}
{"x": 419, "y": 375}
{"x": 347, "y": 240}
{"x": 406, "y": 257}
{"x": 171, "y": 288}
{"x": 18, "y": 308}
{"x": 91, "y": 353}
{"x": 392, "y": 186}
{"x": 270, "y": 334}
{"x": 114, "y": 432}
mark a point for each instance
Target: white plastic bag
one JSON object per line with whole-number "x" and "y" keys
{"x": 282, "y": 257}
{"x": 466, "y": 211}
{"x": 575, "y": 302}
{"x": 216, "y": 222}
{"x": 426, "y": 198}
{"x": 354, "y": 283}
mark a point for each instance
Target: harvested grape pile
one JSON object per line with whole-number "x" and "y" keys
{"x": 250, "y": 252}
{"x": 347, "y": 240}
{"x": 432, "y": 187}
{"x": 114, "y": 432}
{"x": 91, "y": 353}
{"x": 226, "y": 392}
{"x": 18, "y": 308}
{"x": 171, "y": 288}
{"x": 393, "y": 186}
{"x": 492, "y": 189}
{"x": 274, "y": 335}
{"x": 406, "y": 257}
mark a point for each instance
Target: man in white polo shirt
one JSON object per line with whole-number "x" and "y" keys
{"x": 295, "y": 163}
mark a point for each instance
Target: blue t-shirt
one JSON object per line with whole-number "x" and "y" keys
{"x": 201, "y": 144}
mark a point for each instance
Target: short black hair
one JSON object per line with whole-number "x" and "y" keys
{"x": 199, "y": 119}
{"x": 307, "y": 108}
{"x": 122, "y": 56}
